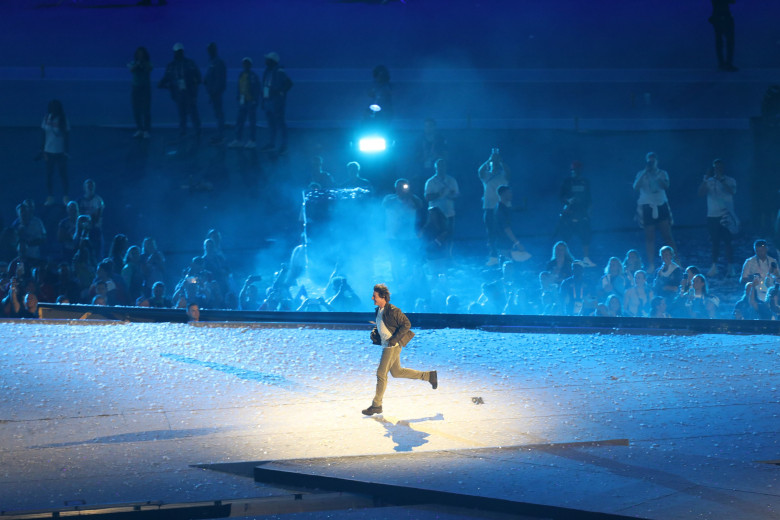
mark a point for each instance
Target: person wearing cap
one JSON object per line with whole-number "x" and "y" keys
{"x": 575, "y": 215}
{"x": 721, "y": 219}
{"x": 182, "y": 78}
{"x": 249, "y": 90}
{"x": 215, "y": 80}
{"x": 276, "y": 84}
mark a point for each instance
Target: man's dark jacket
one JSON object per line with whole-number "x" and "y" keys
{"x": 397, "y": 323}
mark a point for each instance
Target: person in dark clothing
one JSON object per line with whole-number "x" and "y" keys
{"x": 215, "y": 80}
{"x": 182, "y": 78}
{"x": 249, "y": 90}
{"x": 723, "y": 24}
{"x": 508, "y": 245}
{"x": 276, "y": 84}
{"x": 393, "y": 333}
{"x": 575, "y": 215}
{"x": 141, "y": 68}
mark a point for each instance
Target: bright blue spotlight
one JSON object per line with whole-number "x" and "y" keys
{"x": 373, "y": 144}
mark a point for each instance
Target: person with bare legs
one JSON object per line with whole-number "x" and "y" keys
{"x": 653, "y": 209}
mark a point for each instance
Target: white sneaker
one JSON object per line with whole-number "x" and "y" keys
{"x": 49, "y": 200}
{"x": 520, "y": 256}
{"x": 587, "y": 262}
{"x": 251, "y": 145}
{"x": 235, "y": 143}
{"x": 138, "y": 133}
{"x": 147, "y": 135}
{"x": 713, "y": 271}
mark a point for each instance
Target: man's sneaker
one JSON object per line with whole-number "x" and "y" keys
{"x": 433, "y": 379}
{"x": 713, "y": 271}
{"x": 235, "y": 143}
{"x": 371, "y": 410}
{"x": 587, "y": 262}
{"x": 250, "y": 145}
{"x": 520, "y": 256}
{"x": 138, "y": 133}
{"x": 49, "y": 201}
{"x": 147, "y": 135}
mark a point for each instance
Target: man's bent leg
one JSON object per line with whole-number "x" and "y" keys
{"x": 397, "y": 371}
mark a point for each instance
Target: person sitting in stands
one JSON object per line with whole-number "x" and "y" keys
{"x": 576, "y": 297}
{"x": 636, "y": 301}
{"x": 632, "y": 263}
{"x": 118, "y": 249}
{"x": 560, "y": 263}
{"x": 749, "y": 307}
{"x": 153, "y": 262}
{"x": 158, "y": 299}
{"x": 99, "y": 299}
{"x": 132, "y": 272}
{"x": 773, "y": 302}
{"x": 249, "y": 297}
{"x": 700, "y": 303}
{"x": 614, "y": 280}
{"x": 677, "y": 307}
{"x": 115, "y": 290}
{"x": 611, "y": 308}
{"x": 658, "y": 307}
{"x": 668, "y": 276}
{"x": 65, "y": 284}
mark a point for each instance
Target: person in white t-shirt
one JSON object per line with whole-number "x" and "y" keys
{"x": 441, "y": 190}
{"x": 721, "y": 218}
{"x": 653, "y": 206}
{"x": 54, "y": 148}
{"x": 493, "y": 173}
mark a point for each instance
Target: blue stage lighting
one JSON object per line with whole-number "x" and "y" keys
{"x": 372, "y": 144}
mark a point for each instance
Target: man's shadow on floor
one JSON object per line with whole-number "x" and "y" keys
{"x": 403, "y": 435}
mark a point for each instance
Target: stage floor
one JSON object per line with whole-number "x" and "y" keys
{"x": 103, "y": 413}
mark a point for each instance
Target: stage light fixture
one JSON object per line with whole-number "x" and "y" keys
{"x": 372, "y": 144}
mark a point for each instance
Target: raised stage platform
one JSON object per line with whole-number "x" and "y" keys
{"x": 666, "y": 426}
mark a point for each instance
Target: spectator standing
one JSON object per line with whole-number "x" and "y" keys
{"x": 182, "y": 78}
{"x": 721, "y": 219}
{"x": 575, "y": 216}
{"x": 441, "y": 190}
{"x": 141, "y": 94}
{"x": 276, "y": 84}
{"x": 723, "y": 23}
{"x": 55, "y": 148}
{"x": 653, "y": 209}
{"x": 492, "y": 173}
{"x": 249, "y": 91}
{"x": 215, "y": 82}
{"x": 508, "y": 245}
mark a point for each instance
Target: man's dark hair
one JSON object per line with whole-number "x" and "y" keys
{"x": 383, "y": 292}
